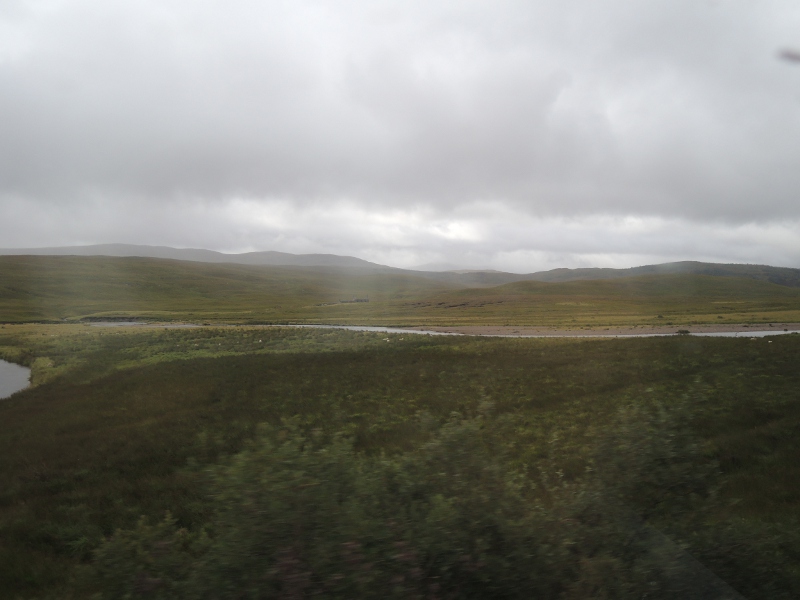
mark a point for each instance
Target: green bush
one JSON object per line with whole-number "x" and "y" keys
{"x": 299, "y": 516}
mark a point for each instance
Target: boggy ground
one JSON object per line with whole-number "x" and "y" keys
{"x": 122, "y": 423}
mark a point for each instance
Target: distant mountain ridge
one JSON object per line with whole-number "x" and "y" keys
{"x": 779, "y": 275}
{"x": 268, "y": 257}
{"x": 785, "y": 276}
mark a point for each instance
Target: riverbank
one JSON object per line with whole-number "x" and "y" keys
{"x": 721, "y": 330}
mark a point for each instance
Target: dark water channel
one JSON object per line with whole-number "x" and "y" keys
{"x": 13, "y": 378}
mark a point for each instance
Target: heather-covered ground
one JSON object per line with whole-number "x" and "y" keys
{"x": 697, "y": 436}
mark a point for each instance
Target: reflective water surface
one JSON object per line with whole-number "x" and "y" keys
{"x": 13, "y": 378}
{"x": 741, "y": 334}
{"x": 376, "y": 329}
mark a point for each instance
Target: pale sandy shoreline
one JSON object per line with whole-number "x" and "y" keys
{"x": 511, "y": 330}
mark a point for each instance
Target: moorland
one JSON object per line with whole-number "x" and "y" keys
{"x": 237, "y": 460}
{"x": 54, "y": 289}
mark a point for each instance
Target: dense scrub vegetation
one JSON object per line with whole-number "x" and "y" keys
{"x": 302, "y": 517}
{"x": 300, "y": 461}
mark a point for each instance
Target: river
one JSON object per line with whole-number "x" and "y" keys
{"x": 13, "y": 378}
{"x": 377, "y": 329}
{"x": 741, "y": 334}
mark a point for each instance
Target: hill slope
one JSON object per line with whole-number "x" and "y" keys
{"x": 58, "y": 287}
{"x": 778, "y": 275}
{"x": 269, "y": 257}
{"x": 68, "y": 287}
{"x": 461, "y": 278}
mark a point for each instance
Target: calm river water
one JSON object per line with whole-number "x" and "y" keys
{"x": 741, "y": 334}
{"x": 13, "y": 378}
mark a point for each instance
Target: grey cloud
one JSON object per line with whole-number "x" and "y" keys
{"x": 478, "y": 236}
{"x": 678, "y": 110}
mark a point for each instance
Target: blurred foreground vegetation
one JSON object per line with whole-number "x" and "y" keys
{"x": 273, "y": 462}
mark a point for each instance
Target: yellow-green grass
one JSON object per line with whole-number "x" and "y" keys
{"x": 123, "y": 422}
{"x": 74, "y": 288}
{"x": 650, "y": 300}
{"x": 55, "y": 288}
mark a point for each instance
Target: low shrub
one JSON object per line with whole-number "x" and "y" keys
{"x": 298, "y": 516}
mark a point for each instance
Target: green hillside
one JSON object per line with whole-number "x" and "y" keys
{"x": 779, "y": 275}
{"x": 55, "y": 288}
{"x": 654, "y": 299}
{"x": 73, "y": 288}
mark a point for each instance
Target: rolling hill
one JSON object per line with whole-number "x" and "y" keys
{"x": 777, "y": 275}
{"x": 55, "y": 288}
{"x": 461, "y": 278}
{"x": 268, "y": 257}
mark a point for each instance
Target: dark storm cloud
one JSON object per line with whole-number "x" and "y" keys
{"x": 677, "y": 110}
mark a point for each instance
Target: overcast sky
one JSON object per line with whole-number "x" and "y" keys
{"x": 514, "y": 135}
